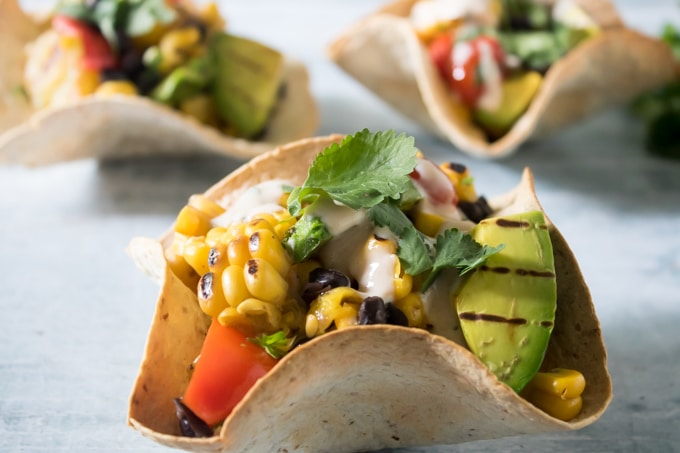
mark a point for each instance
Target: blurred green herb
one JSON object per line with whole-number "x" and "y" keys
{"x": 660, "y": 109}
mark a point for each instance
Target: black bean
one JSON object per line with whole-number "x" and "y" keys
{"x": 395, "y": 316}
{"x": 476, "y": 210}
{"x": 190, "y": 424}
{"x": 322, "y": 280}
{"x": 372, "y": 311}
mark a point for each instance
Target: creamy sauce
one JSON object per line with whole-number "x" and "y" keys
{"x": 259, "y": 199}
{"x": 492, "y": 79}
{"x": 337, "y": 218}
{"x": 438, "y": 195}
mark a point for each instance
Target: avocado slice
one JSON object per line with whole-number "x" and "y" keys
{"x": 247, "y": 80}
{"x": 507, "y": 307}
{"x": 518, "y": 92}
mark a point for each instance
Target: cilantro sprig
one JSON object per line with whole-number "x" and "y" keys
{"x": 360, "y": 172}
{"x": 276, "y": 345}
{"x": 371, "y": 171}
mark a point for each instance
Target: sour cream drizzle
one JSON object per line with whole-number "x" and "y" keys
{"x": 259, "y": 199}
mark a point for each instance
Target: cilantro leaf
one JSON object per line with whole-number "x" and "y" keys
{"x": 360, "y": 172}
{"x": 455, "y": 249}
{"x": 413, "y": 251}
{"x": 276, "y": 345}
{"x": 308, "y": 234}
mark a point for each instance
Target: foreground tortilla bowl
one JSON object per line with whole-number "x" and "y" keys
{"x": 384, "y": 53}
{"x": 364, "y": 387}
{"x": 124, "y": 126}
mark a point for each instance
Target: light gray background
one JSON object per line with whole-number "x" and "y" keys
{"x": 74, "y": 310}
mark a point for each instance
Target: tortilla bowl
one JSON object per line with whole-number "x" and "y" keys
{"x": 124, "y": 126}
{"x": 384, "y": 53}
{"x": 363, "y": 387}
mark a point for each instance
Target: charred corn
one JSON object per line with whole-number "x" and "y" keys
{"x": 557, "y": 392}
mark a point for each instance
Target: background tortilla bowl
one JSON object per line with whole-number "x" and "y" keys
{"x": 384, "y": 53}
{"x": 124, "y": 126}
{"x": 364, "y": 387}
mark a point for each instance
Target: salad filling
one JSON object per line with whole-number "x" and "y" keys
{"x": 493, "y": 54}
{"x": 168, "y": 51}
{"x": 376, "y": 234}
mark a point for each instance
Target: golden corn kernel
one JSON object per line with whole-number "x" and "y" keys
{"x": 196, "y": 253}
{"x": 412, "y": 307}
{"x": 177, "y": 46}
{"x": 256, "y": 224}
{"x": 560, "y": 382}
{"x": 267, "y": 311}
{"x": 238, "y": 250}
{"x": 192, "y": 222}
{"x": 217, "y": 258}
{"x": 427, "y": 223}
{"x": 210, "y": 15}
{"x": 231, "y": 318}
{"x": 205, "y": 205}
{"x": 216, "y": 235}
{"x": 402, "y": 286}
{"x": 302, "y": 271}
{"x": 263, "y": 281}
{"x": 210, "y": 295}
{"x": 234, "y": 285}
{"x": 264, "y": 244}
{"x": 114, "y": 87}
{"x": 174, "y": 255}
{"x": 556, "y": 406}
{"x": 312, "y": 326}
{"x": 461, "y": 179}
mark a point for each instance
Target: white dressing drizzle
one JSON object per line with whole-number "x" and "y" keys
{"x": 491, "y": 77}
{"x": 426, "y": 14}
{"x": 261, "y": 198}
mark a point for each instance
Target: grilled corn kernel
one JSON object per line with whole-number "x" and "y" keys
{"x": 196, "y": 253}
{"x": 461, "y": 179}
{"x": 177, "y": 46}
{"x": 264, "y": 244}
{"x": 217, "y": 258}
{"x": 216, "y": 236}
{"x": 557, "y": 392}
{"x": 560, "y": 382}
{"x": 283, "y": 225}
{"x": 234, "y": 285}
{"x": 174, "y": 255}
{"x": 114, "y": 87}
{"x": 266, "y": 311}
{"x": 210, "y": 295}
{"x": 192, "y": 222}
{"x": 238, "y": 250}
{"x": 256, "y": 224}
{"x": 205, "y": 205}
{"x": 232, "y": 318}
{"x": 263, "y": 281}
{"x": 412, "y": 307}
{"x": 561, "y": 408}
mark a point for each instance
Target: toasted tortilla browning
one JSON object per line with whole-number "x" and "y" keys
{"x": 363, "y": 387}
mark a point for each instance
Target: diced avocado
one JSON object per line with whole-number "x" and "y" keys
{"x": 184, "y": 82}
{"x": 507, "y": 307}
{"x": 248, "y": 75}
{"x": 518, "y": 91}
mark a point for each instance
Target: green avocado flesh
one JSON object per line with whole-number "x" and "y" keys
{"x": 507, "y": 307}
{"x": 247, "y": 79}
{"x": 518, "y": 92}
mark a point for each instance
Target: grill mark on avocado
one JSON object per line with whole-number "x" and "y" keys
{"x": 507, "y": 223}
{"x": 520, "y": 272}
{"x": 471, "y": 316}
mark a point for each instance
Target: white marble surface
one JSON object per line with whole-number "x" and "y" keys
{"x": 74, "y": 311}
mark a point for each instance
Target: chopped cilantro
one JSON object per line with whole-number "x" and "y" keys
{"x": 276, "y": 345}
{"x": 360, "y": 172}
{"x": 308, "y": 234}
{"x": 455, "y": 249}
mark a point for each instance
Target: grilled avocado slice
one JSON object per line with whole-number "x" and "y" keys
{"x": 247, "y": 80}
{"x": 507, "y": 307}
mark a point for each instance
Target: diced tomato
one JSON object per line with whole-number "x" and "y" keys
{"x": 97, "y": 53}
{"x": 229, "y": 365}
{"x": 459, "y": 63}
